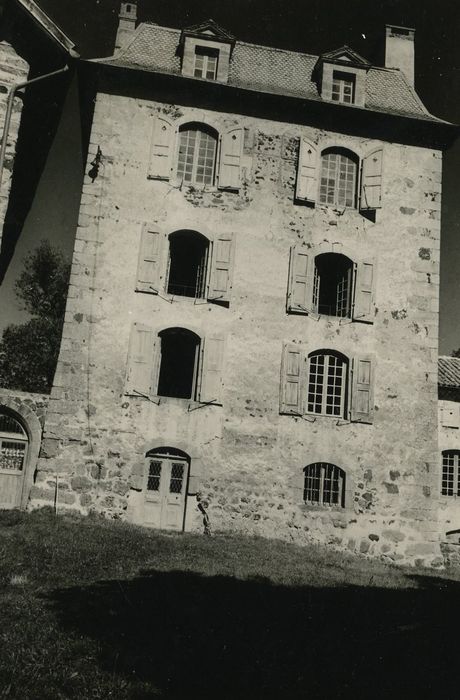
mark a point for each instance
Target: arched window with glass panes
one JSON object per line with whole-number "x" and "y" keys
{"x": 339, "y": 178}
{"x": 324, "y": 483}
{"x": 327, "y": 384}
{"x": 196, "y": 164}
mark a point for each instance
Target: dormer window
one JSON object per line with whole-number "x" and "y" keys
{"x": 341, "y": 76}
{"x": 206, "y": 49}
{"x": 206, "y": 62}
{"x": 343, "y": 87}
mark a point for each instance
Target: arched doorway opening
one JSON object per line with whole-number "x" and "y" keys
{"x": 166, "y": 479}
{"x": 14, "y": 444}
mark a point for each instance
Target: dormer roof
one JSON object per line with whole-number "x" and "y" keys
{"x": 346, "y": 56}
{"x": 208, "y": 29}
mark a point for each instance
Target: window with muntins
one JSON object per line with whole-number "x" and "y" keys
{"x": 333, "y": 285}
{"x": 450, "y": 484}
{"x": 187, "y": 268}
{"x": 206, "y": 59}
{"x": 327, "y": 378}
{"x": 339, "y": 174}
{"x": 343, "y": 87}
{"x": 179, "y": 357}
{"x": 324, "y": 483}
{"x": 197, "y": 155}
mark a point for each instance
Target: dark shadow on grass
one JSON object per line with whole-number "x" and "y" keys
{"x": 192, "y": 636}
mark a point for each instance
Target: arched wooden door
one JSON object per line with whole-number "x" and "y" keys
{"x": 13, "y": 455}
{"x": 166, "y": 489}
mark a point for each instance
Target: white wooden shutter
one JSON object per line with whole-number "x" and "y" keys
{"x": 364, "y": 299}
{"x": 306, "y": 186}
{"x": 371, "y": 180}
{"x": 231, "y": 151}
{"x": 362, "y": 392}
{"x": 149, "y": 268}
{"x": 161, "y": 149}
{"x": 450, "y": 415}
{"x": 292, "y": 386}
{"x": 212, "y": 358}
{"x": 141, "y": 361}
{"x": 301, "y": 273}
{"x": 220, "y": 277}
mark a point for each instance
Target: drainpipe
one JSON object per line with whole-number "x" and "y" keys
{"x": 9, "y": 111}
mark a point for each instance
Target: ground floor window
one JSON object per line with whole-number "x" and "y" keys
{"x": 324, "y": 483}
{"x": 450, "y": 484}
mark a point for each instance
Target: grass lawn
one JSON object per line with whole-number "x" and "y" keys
{"x": 93, "y": 609}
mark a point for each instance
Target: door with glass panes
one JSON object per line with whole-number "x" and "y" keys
{"x": 165, "y": 492}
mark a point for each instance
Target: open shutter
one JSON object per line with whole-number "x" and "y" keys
{"x": 141, "y": 361}
{"x": 450, "y": 415}
{"x": 364, "y": 301}
{"x": 292, "y": 380}
{"x": 231, "y": 151}
{"x": 161, "y": 149}
{"x": 371, "y": 181}
{"x": 149, "y": 274}
{"x": 212, "y": 357}
{"x": 220, "y": 278}
{"x": 301, "y": 273}
{"x": 306, "y": 172}
{"x": 362, "y": 392}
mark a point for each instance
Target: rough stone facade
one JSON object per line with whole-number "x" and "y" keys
{"x": 13, "y": 69}
{"x": 247, "y": 460}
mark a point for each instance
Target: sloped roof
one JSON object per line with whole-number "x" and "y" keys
{"x": 209, "y": 26}
{"x": 344, "y": 52}
{"x": 40, "y": 17}
{"x": 267, "y": 69}
{"x": 449, "y": 371}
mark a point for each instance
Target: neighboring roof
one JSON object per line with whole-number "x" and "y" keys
{"x": 449, "y": 371}
{"x": 271, "y": 70}
{"x": 45, "y": 22}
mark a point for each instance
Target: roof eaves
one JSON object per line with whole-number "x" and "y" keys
{"x": 46, "y": 23}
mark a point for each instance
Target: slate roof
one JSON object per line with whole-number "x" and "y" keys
{"x": 270, "y": 70}
{"x": 449, "y": 371}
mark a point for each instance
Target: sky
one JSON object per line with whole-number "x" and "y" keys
{"x": 311, "y": 26}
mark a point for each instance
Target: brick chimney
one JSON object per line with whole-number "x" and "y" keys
{"x": 127, "y": 23}
{"x": 400, "y": 50}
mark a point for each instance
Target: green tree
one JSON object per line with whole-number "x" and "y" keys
{"x": 29, "y": 352}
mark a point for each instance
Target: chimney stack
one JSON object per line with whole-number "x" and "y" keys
{"x": 400, "y": 50}
{"x": 127, "y": 23}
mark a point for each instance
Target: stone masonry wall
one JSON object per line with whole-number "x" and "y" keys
{"x": 13, "y": 69}
{"x": 246, "y": 458}
{"x": 449, "y": 439}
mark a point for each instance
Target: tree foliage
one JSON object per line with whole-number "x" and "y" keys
{"x": 29, "y": 352}
{"x": 456, "y": 353}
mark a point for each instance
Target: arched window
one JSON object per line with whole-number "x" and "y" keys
{"x": 13, "y": 443}
{"x": 179, "y": 358}
{"x": 188, "y": 259}
{"x": 327, "y": 383}
{"x": 324, "y": 483}
{"x": 197, "y": 154}
{"x": 339, "y": 178}
{"x": 450, "y": 484}
{"x": 333, "y": 285}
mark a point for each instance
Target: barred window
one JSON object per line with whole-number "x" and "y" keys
{"x": 327, "y": 380}
{"x": 197, "y": 155}
{"x": 324, "y": 483}
{"x": 206, "y": 62}
{"x": 339, "y": 174}
{"x": 343, "y": 87}
{"x": 450, "y": 483}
